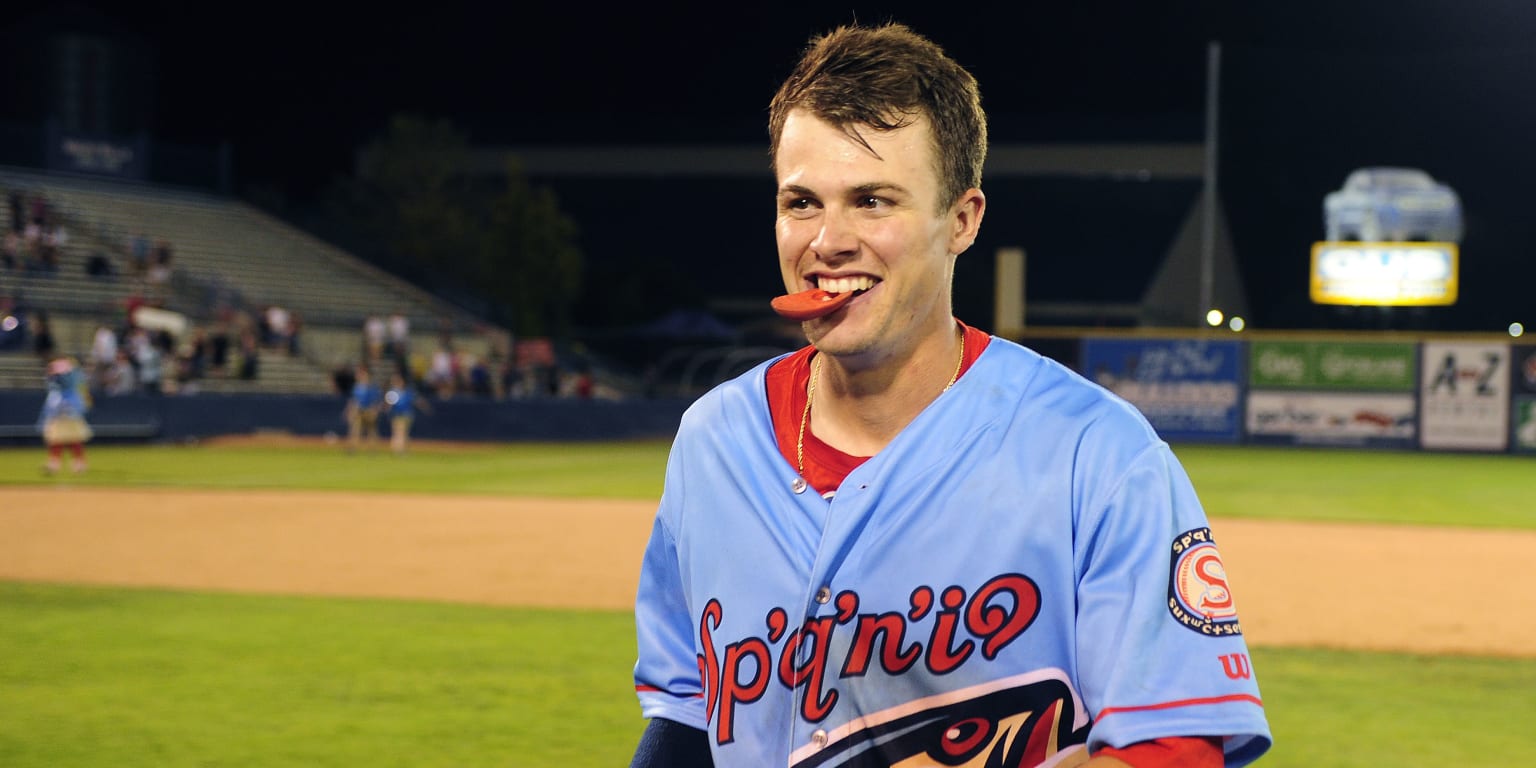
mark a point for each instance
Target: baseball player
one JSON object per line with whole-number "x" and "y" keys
{"x": 62, "y": 419}
{"x": 910, "y": 543}
{"x": 362, "y": 410}
{"x": 403, "y": 402}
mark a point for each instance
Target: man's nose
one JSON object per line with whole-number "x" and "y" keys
{"x": 837, "y": 238}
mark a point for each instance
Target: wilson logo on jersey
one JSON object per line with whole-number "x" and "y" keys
{"x": 740, "y": 672}
{"x": 1198, "y": 596}
{"x": 1237, "y": 666}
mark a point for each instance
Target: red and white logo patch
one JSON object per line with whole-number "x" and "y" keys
{"x": 1198, "y": 595}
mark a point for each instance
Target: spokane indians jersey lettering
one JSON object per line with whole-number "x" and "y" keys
{"x": 1022, "y": 575}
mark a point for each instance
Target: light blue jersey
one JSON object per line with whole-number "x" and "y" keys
{"x": 1023, "y": 574}
{"x": 68, "y": 398}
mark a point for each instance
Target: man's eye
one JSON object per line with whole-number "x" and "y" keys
{"x": 870, "y": 201}
{"x": 799, "y": 204}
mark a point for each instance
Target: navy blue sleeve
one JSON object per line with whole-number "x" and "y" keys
{"x": 666, "y": 744}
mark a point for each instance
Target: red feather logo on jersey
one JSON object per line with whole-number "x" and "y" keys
{"x": 1019, "y": 722}
{"x": 1198, "y": 595}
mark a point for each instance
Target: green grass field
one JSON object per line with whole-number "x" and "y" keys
{"x": 1280, "y": 483}
{"x": 625, "y": 470}
{"x": 96, "y": 677}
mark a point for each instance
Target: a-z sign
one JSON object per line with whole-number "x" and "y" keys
{"x": 1384, "y": 274}
{"x": 1464, "y": 394}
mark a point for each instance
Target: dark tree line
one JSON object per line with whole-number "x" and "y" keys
{"x": 491, "y": 240}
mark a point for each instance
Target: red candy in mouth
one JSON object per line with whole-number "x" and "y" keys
{"x": 811, "y": 304}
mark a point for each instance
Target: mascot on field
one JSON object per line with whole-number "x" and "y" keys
{"x": 62, "y": 420}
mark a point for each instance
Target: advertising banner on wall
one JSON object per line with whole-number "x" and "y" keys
{"x": 1332, "y": 393}
{"x": 1464, "y": 395}
{"x": 1522, "y": 382}
{"x": 1189, "y": 389}
{"x": 1351, "y": 366}
{"x": 1364, "y": 419}
{"x": 1525, "y": 425}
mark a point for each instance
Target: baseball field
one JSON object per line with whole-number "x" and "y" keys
{"x": 271, "y": 601}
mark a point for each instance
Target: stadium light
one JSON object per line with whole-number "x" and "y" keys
{"x": 1237, "y": 324}
{"x": 1213, "y": 318}
{"x": 1516, "y": 330}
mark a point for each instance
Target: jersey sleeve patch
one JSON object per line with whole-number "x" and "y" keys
{"x": 1198, "y": 597}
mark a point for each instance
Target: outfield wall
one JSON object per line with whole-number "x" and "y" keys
{"x": 177, "y": 418}
{"x": 1451, "y": 394}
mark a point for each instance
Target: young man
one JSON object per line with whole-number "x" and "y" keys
{"x": 910, "y": 543}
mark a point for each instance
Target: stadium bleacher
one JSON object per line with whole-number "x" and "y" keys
{"x": 227, "y": 255}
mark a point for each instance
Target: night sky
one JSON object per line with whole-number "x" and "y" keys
{"x": 1310, "y": 90}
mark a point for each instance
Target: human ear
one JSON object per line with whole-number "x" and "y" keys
{"x": 965, "y": 220}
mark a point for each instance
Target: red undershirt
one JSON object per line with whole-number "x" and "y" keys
{"x": 825, "y": 468}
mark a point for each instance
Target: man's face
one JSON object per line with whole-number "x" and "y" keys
{"x": 854, "y": 219}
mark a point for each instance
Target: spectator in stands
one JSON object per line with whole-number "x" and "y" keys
{"x": 38, "y": 209}
{"x": 160, "y": 263}
{"x": 548, "y": 375}
{"x": 478, "y": 377}
{"x": 512, "y": 384}
{"x": 99, "y": 266}
{"x": 218, "y": 360}
{"x": 250, "y": 354}
{"x": 62, "y": 420}
{"x": 374, "y": 334}
{"x": 584, "y": 384}
{"x": 120, "y": 378}
{"x": 18, "y": 215}
{"x": 362, "y": 411}
{"x": 442, "y": 371}
{"x": 43, "y": 344}
{"x": 343, "y": 377}
{"x": 103, "y": 352}
{"x": 51, "y": 247}
{"x": 130, "y": 308}
{"x": 264, "y": 327}
{"x": 275, "y": 327}
{"x": 138, "y": 253}
{"x": 295, "y": 332}
{"x": 11, "y": 257}
{"x": 403, "y": 403}
{"x": 32, "y": 246}
{"x": 195, "y": 362}
{"x": 149, "y": 363}
{"x": 398, "y": 342}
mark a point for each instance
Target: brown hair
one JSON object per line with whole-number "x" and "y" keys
{"x": 885, "y": 77}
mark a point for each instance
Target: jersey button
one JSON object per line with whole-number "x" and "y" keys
{"x": 824, "y": 595}
{"x": 798, "y": 486}
{"x": 819, "y": 739}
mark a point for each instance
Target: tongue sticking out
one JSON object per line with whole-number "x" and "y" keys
{"x": 809, "y": 305}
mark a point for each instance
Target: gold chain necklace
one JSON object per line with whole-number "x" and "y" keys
{"x": 810, "y": 395}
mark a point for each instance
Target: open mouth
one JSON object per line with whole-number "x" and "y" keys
{"x": 829, "y": 295}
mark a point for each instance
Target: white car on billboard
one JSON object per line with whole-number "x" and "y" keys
{"x": 1385, "y": 204}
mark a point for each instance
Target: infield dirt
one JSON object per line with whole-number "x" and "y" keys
{"x": 1366, "y": 587}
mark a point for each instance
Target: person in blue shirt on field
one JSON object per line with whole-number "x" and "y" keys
{"x": 362, "y": 412}
{"x": 402, "y": 402}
